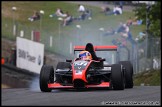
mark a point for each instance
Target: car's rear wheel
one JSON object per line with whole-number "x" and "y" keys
{"x": 128, "y": 73}
{"x": 117, "y": 77}
{"x": 46, "y": 76}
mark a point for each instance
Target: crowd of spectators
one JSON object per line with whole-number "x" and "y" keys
{"x": 83, "y": 14}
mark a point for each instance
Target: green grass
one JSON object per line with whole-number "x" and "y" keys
{"x": 151, "y": 78}
{"x": 88, "y": 33}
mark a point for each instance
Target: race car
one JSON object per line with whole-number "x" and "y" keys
{"x": 87, "y": 71}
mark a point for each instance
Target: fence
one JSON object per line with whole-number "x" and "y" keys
{"x": 146, "y": 55}
{"x": 142, "y": 55}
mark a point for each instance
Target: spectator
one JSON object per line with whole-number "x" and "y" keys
{"x": 111, "y": 12}
{"x": 81, "y": 8}
{"x": 137, "y": 21}
{"x": 126, "y": 28}
{"x": 141, "y": 36}
{"x": 121, "y": 28}
{"x": 155, "y": 63}
{"x": 36, "y": 16}
{"x": 83, "y": 16}
{"x": 59, "y": 13}
{"x": 129, "y": 21}
{"x": 105, "y": 9}
{"x": 126, "y": 33}
{"x": 116, "y": 11}
{"x": 88, "y": 13}
{"x": 67, "y": 19}
{"x": 102, "y": 9}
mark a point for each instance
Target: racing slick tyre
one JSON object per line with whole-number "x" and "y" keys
{"x": 46, "y": 76}
{"x": 117, "y": 77}
{"x": 62, "y": 65}
{"x": 128, "y": 73}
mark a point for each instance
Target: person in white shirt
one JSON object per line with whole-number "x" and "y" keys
{"x": 81, "y": 8}
{"x": 119, "y": 10}
{"x": 114, "y": 9}
{"x": 126, "y": 31}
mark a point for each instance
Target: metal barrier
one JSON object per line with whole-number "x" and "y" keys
{"x": 144, "y": 59}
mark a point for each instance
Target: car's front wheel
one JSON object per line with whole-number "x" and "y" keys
{"x": 46, "y": 76}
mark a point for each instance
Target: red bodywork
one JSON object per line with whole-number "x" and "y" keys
{"x": 82, "y": 76}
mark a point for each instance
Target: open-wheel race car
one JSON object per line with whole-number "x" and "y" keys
{"x": 87, "y": 71}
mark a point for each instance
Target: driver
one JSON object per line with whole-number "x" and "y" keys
{"x": 85, "y": 55}
{"x": 89, "y": 47}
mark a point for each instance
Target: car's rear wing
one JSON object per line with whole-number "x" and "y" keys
{"x": 97, "y": 48}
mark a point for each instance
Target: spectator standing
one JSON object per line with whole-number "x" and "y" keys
{"x": 155, "y": 63}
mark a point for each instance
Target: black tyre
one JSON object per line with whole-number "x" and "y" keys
{"x": 117, "y": 77}
{"x": 46, "y": 76}
{"x": 62, "y": 65}
{"x": 128, "y": 73}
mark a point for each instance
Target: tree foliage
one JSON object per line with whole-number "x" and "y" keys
{"x": 154, "y": 16}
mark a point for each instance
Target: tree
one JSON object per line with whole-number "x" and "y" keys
{"x": 153, "y": 14}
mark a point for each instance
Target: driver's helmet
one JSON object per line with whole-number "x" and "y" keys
{"x": 85, "y": 55}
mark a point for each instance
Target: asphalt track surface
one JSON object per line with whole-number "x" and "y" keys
{"x": 143, "y": 95}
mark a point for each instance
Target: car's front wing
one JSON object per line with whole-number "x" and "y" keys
{"x": 59, "y": 86}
